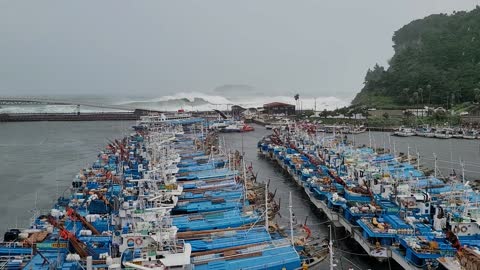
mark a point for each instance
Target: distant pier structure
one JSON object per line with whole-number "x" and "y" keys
{"x": 121, "y": 112}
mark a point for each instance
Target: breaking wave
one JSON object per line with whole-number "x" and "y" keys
{"x": 188, "y": 101}
{"x": 195, "y": 101}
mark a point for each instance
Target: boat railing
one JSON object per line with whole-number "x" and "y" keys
{"x": 175, "y": 246}
{"x": 11, "y": 245}
{"x": 4, "y": 260}
{"x": 255, "y": 251}
{"x": 281, "y": 242}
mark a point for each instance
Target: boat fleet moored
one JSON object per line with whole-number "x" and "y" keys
{"x": 438, "y": 132}
{"x": 386, "y": 204}
{"x": 169, "y": 196}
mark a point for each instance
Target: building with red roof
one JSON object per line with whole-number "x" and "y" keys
{"x": 279, "y": 108}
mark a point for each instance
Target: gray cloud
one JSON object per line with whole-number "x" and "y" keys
{"x": 162, "y": 47}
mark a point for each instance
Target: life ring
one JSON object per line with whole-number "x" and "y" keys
{"x": 138, "y": 241}
{"x": 130, "y": 242}
{"x": 411, "y": 203}
{"x": 464, "y": 229}
{"x": 456, "y": 229}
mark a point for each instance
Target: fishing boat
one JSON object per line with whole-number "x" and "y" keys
{"x": 247, "y": 128}
{"x": 425, "y": 131}
{"x": 458, "y": 133}
{"x": 231, "y": 128}
{"x": 154, "y": 120}
{"x": 358, "y": 129}
{"x": 443, "y": 133}
{"x": 404, "y": 132}
{"x": 470, "y": 134}
{"x": 236, "y": 127}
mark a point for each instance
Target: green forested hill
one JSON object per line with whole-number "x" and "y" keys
{"x": 436, "y": 61}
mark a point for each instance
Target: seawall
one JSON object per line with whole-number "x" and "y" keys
{"x": 30, "y": 117}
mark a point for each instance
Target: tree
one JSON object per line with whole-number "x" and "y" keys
{"x": 365, "y": 113}
{"x": 420, "y": 92}
{"x": 476, "y": 93}
{"x": 406, "y": 94}
{"x": 296, "y": 97}
{"x": 415, "y": 97}
{"x": 440, "y": 115}
{"x": 408, "y": 118}
{"x": 436, "y": 56}
{"x": 429, "y": 89}
{"x": 385, "y": 116}
{"x": 343, "y": 110}
{"x": 348, "y": 114}
{"x": 324, "y": 113}
{"x": 408, "y": 114}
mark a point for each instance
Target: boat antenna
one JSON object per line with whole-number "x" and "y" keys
{"x": 462, "y": 164}
{"x": 291, "y": 216}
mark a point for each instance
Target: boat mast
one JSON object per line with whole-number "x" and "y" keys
{"x": 291, "y": 216}
{"x": 244, "y": 181}
{"x": 408, "y": 153}
{"x": 462, "y": 164}
{"x": 389, "y": 144}
{"x": 266, "y": 206}
{"x": 224, "y": 144}
{"x": 330, "y": 248}
{"x": 394, "y": 149}
{"x": 435, "y": 164}
{"x": 369, "y": 139}
{"x": 418, "y": 160}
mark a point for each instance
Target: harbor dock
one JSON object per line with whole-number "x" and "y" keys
{"x": 32, "y": 117}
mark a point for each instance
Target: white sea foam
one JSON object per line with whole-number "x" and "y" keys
{"x": 189, "y": 101}
{"x": 196, "y": 101}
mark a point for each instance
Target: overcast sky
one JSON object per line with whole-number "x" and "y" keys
{"x": 157, "y": 47}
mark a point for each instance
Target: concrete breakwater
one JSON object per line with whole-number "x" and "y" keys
{"x": 30, "y": 117}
